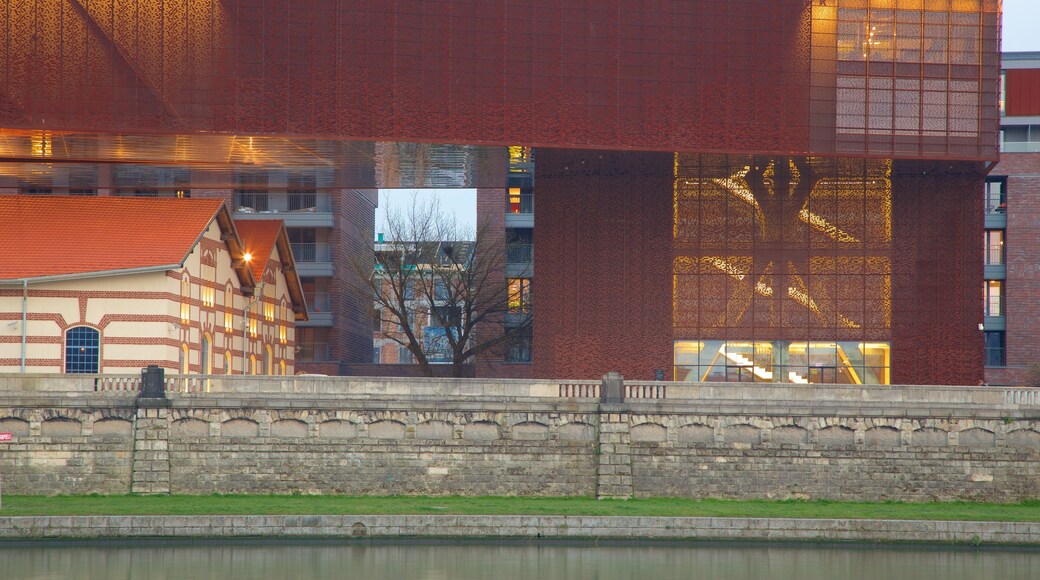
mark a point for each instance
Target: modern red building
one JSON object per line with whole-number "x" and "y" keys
{"x": 768, "y": 190}
{"x": 1012, "y": 235}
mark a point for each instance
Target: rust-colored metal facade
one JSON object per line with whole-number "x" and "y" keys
{"x": 690, "y": 150}
{"x": 906, "y": 78}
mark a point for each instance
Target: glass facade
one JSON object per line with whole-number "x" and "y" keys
{"x": 801, "y": 362}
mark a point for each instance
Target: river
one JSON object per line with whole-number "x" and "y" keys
{"x": 545, "y": 560}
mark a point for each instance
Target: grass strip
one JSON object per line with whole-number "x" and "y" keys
{"x": 35, "y": 505}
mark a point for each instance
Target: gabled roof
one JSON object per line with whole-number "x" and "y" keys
{"x": 54, "y": 236}
{"x": 259, "y": 239}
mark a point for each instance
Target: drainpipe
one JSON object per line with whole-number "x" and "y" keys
{"x": 25, "y": 316}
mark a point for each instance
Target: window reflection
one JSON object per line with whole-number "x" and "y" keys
{"x": 800, "y": 362}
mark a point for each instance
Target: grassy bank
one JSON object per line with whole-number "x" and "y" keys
{"x": 24, "y": 505}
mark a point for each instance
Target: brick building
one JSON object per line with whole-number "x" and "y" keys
{"x": 1012, "y": 236}
{"x": 111, "y": 285}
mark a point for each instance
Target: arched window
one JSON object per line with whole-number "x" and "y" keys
{"x": 252, "y": 364}
{"x": 268, "y": 361}
{"x": 227, "y": 362}
{"x": 207, "y": 359}
{"x": 184, "y": 359}
{"x": 82, "y": 350}
{"x": 281, "y": 367}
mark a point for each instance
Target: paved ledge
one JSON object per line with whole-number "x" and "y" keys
{"x": 564, "y": 527}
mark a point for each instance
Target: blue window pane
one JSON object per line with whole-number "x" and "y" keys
{"x": 82, "y": 349}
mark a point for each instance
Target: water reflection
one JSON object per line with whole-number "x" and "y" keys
{"x": 544, "y": 561}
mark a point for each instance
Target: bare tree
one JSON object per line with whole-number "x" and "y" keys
{"x": 441, "y": 292}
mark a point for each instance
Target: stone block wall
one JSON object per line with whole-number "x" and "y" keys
{"x": 838, "y": 458}
{"x": 502, "y": 445}
{"x": 381, "y": 452}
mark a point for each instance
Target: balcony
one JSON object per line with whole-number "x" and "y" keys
{"x": 519, "y": 260}
{"x": 520, "y": 210}
{"x": 319, "y": 309}
{"x": 520, "y": 254}
{"x": 296, "y": 209}
{"x": 313, "y": 259}
{"x": 314, "y": 352}
{"x": 1020, "y": 147}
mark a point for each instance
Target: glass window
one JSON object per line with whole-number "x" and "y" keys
{"x": 440, "y": 290}
{"x": 227, "y": 362}
{"x": 251, "y": 191}
{"x": 229, "y": 313}
{"x": 518, "y": 345}
{"x": 375, "y": 354}
{"x": 185, "y": 299}
{"x": 519, "y": 295}
{"x": 82, "y": 350}
{"x": 207, "y": 363}
{"x": 806, "y": 362}
{"x": 996, "y": 196}
{"x": 404, "y": 356}
{"x": 994, "y": 245}
{"x": 994, "y": 297}
{"x": 995, "y": 348}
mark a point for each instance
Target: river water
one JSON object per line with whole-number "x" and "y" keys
{"x": 545, "y": 560}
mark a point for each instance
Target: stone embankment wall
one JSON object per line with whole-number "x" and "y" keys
{"x": 470, "y": 437}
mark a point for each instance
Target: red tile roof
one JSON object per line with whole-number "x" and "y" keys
{"x": 258, "y": 239}
{"x": 50, "y": 235}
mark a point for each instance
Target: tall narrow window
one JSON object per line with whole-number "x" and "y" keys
{"x": 184, "y": 359}
{"x": 185, "y": 299}
{"x": 207, "y": 361}
{"x": 252, "y": 365}
{"x": 229, "y": 311}
{"x": 994, "y": 241}
{"x": 994, "y": 303}
{"x": 268, "y": 361}
{"x": 82, "y": 350}
{"x": 283, "y": 334}
{"x": 227, "y": 362}
{"x": 207, "y": 296}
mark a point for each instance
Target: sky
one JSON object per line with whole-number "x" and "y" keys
{"x": 1021, "y": 32}
{"x": 461, "y": 202}
{"x": 1021, "y": 24}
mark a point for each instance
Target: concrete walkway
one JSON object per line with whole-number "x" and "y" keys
{"x": 569, "y": 527}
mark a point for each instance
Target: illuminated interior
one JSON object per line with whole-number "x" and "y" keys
{"x": 798, "y": 362}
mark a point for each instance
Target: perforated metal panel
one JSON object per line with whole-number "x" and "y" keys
{"x": 903, "y": 78}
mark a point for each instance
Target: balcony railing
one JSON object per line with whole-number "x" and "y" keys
{"x": 520, "y": 253}
{"x": 995, "y": 255}
{"x": 1020, "y": 147}
{"x": 312, "y": 252}
{"x": 996, "y": 202}
{"x": 314, "y": 352}
{"x": 523, "y": 203}
{"x": 318, "y": 301}
{"x": 283, "y": 202}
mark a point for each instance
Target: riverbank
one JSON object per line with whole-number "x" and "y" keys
{"x": 235, "y": 516}
{"x": 361, "y": 527}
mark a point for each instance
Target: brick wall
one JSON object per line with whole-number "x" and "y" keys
{"x": 1022, "y": 286}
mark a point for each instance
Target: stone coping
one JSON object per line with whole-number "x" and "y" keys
{"x": 21, "y": 528}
